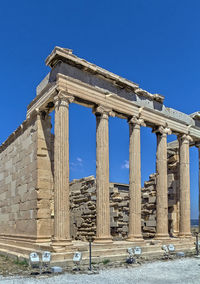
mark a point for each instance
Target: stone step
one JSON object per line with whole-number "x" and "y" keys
{"x": 16, "y": 249}
{"x": 114, "y": 257}
{"x": 143, "y": 246}
{"x": 145, "y": 250}
{"x": 111, "y": 252}
{"x": 84, "y": 245}
{"x": 96, "y": 249}
{"x": 25, "y": 244}
{"x": 114, "y": 252}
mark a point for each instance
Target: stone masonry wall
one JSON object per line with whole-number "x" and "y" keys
{"x": 26, "y": 181}
{"x": 83, "y": 209}
{"x": 149, "y": 199}
{"x": 149, "y": 207}
{"x": 83, "y": 205}
{"x": 44, "y": 183}
{"x": 17, "y": 182}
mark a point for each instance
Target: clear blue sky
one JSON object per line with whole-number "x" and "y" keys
{"x": 152, "y": 42}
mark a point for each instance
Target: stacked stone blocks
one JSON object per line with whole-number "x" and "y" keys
{"x": 83, "y": 205}
{"x": 26, "y": 181}
{"x": 18, "y": 174}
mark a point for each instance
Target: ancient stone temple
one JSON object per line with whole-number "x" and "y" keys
{"x": 41, "y": 210}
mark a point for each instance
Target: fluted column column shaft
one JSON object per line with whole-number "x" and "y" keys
{"x": 161, "y": 184}
{"x": 102, "y": 176}
{"x": 184, "y": 144}
{"x": 135, "y": 179}
{"x": 61, "y": 170}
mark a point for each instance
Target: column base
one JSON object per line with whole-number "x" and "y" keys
{"x": 185, "y": 235}
{"x": 103, "y": 240}
{"x": 175, "y": 234}
{"x": 61, "y": 245}
{"x": 136, "y": 238}
{"x": 161, "y": 237}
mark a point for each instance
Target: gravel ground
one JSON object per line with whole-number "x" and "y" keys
{"x": 185, "y": 270}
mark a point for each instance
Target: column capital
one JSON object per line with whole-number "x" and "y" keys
{"x": 164, "y": 131}
{"x": 61, "y": 97}
{"x": 136, "y": 121}
{"x": 103, "y": 111}
{"x": 185, "y": 138}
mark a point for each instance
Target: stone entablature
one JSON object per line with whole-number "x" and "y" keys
{"x": 94, "y": 88}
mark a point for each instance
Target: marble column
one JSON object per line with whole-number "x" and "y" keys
{"x": 61, "y": 173}
{"x": 184, "y": 146}
{"x": 134, "y": 233}
{"x": 102, "y": 175}
{"x": 161, "y": 184}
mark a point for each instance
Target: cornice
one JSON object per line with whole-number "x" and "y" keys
{"x": 66, "y": 55}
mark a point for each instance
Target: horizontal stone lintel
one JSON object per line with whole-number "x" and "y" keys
{"x": 178, "y": 122}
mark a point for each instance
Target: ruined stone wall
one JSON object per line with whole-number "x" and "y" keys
{"x": 149, "y": 207}
{"x": 25, "y": 185}
{"x": 83, "y": 205}
{"x": 83, "y": 209}
{"x": 149, "y": 198}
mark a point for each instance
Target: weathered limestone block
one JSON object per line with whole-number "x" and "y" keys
{"x": 27, "y": 215}
{"x": 44, "y": 213}
{"x": 152, "y": 199}
{"x": 145, "y": 195}
{"x": 26, "y": 227}
{"x": 28, "y": 204}
{"x": 44, "y": 227}
{"x": 148, "y": 183}
{"x": 149, "y": 229}
{"x": 44, "y": 193}
{"x": 43, "y": 203}
{"x": 150, "y": 223}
